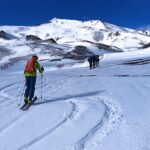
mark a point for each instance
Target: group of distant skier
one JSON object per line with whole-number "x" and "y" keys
{"x": 30, "y": 73}
{"x": 93, "y": 61}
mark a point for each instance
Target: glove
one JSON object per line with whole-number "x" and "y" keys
{"x": 42, "y": 68}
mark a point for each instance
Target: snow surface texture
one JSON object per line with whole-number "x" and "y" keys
{"x": 106, "y": 108}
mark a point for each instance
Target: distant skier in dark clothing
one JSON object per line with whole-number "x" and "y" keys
{"x": 90, "y": 60}
{"x": 30, "y": 75}
{"x": 94, "y": 61}
{"x": 97, "y": 60}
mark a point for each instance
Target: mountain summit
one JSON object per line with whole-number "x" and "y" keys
{"x": 64, "y": 39}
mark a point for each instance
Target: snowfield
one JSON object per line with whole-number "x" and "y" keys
{"x": 106, "y": 108}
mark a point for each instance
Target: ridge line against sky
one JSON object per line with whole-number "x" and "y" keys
{"x": 125, "y": 13}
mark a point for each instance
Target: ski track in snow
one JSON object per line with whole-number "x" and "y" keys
{"x": 81, "y": 143}
{"x": 4, "y": 94}
{"x": 75, "y": 113}
{"x": 110, "y": 120}
{"x": 7, "y": 98}
{"x": 8, "y": 101}
{"x": 12, "y": 122}
{"x": 37, "y": 139}
{"x": 8, "y": 95}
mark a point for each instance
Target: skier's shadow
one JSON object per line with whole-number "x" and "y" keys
{"x": 67, "y": 97}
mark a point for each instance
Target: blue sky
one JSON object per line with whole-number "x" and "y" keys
{"x": 126, "y": 13}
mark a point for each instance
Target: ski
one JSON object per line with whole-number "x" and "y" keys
{"x": 25, "y": 107}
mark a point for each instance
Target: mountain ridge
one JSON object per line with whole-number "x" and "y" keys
{"x": 63, "y": 36}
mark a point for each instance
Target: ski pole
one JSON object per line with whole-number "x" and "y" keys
{"x": 41, "y": 86}
{"x": 23, "y": 89}
{"x": 102, "y": 57}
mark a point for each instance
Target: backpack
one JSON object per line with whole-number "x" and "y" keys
{"x": 90, "y": 59}
{"x": 30, "y": 66}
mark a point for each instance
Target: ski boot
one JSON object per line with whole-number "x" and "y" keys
{"x": 25, "y": 100}
{"x": 29, "y": 102}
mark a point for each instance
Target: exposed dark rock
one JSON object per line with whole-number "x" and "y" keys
{"x": 110, "y": 34}
{"x": 32, "y": 38}
{"x": 105, "y": 47}
{"x": 117, "y": 33}
{"x": 6, "y": 35}
{"x": 79, "y": 53}
{"x": 145, "y": 32}
{"x": 50, "y": 49}
{"x": 47, "y": 34}
{"x": 4, "y": 52}
{"x": 145, "y": 46}
{"x": 113, "y": 34}
{"x": 88, "y": 28}
{"x": 141, "y": 43}
{"x": 142, "y": 61}
{"x": 108, "y": 48}
{"x": 55, "y": 60}
{"x": 51, "y": 40}
{"x": 58, "y": 38}
{"x": 81, "y": 50}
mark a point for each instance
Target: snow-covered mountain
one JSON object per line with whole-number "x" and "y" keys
{"x": 105, "y": 108}
{"x": 61, "y": 39}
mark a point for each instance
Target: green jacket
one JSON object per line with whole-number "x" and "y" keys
{"x": 37, "y": 66}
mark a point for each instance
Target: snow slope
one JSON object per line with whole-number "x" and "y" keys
{"x": 101, "y": 109}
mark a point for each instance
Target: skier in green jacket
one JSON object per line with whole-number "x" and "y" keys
{"x": 30, "y": 74}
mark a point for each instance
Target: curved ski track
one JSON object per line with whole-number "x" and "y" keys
{"x": 110, "y": 119}
{"x": 69, "y": 117}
